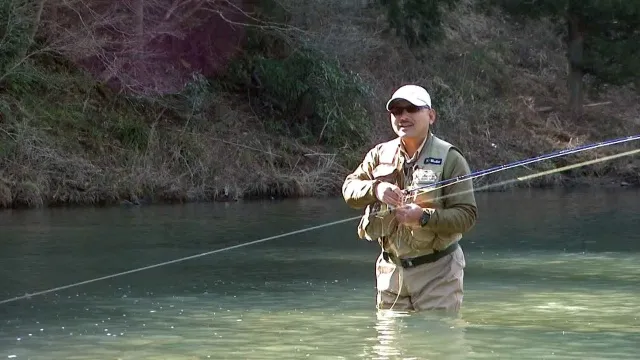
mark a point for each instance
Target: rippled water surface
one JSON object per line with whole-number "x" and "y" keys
{"x": 549, "y": 276}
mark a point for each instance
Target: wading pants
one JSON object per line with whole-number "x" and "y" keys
{"x": 433, "y": 286}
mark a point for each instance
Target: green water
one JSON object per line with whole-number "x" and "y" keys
{"x": 549, "y": 275}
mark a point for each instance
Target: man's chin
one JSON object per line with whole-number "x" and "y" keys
{"x": 407, "y": 134}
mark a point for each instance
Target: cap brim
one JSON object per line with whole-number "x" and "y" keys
{"x": 412, "y": 101}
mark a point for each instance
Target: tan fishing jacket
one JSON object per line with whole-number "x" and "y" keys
{"x": 454, "y": 208}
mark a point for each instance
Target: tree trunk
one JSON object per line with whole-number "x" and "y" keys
{"x": 139, "y": 31}
{"x": 575, "y": 55}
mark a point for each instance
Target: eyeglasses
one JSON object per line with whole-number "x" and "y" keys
{"x": 411, "y": 109}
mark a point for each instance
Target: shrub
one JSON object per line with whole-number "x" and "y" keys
{"x": 300, "y": 92}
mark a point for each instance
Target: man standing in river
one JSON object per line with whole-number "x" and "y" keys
{"x": 421, "y": 265}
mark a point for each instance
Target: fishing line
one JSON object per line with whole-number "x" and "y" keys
{"x": 477, "y": 174}
{"x": 29, "y": 295}
{"x": 546, "y": 172}
{"x": 517, "y": 179}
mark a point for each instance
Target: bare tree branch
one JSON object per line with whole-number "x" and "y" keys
{"x": 141, "y": 46}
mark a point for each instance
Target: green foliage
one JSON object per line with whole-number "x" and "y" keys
{"x": 614, "y": 44}
{"x": 80, "y": 126}
{"x": 197, "y": 94}
{"x": 610, "y": 28}
{"x": 131, "y": 133}
{"x": 192, "y": 104}
{"x": 521, "y": 9}
{"x": 417, "y": 21}
{"x": 270, "y": 10}
{"x": 7, "y": 139}
{"x": 32, "y": 77}
{"x": 14, "y": 28}
{"x": 16, "y": 21}
{"x": 302, "y": 93}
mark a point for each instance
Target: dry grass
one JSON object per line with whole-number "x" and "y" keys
{"x": 175, "y": 165}
{"x": 489, "y": 81}
{"x": 498, "y": 89}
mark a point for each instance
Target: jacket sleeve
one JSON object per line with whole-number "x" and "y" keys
{"x": 357, "y": 189}
{"x": 459, "y": 211}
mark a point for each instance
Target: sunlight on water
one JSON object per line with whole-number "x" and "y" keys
{"x": 558, "y": 318}
{"x": 307, "y": 297}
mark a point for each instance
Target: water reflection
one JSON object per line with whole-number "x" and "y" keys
{"x": 548, "y": 275}
{"x": 418, "y": 336}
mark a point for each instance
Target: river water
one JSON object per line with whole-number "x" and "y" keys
{"x": 550, "y": 275}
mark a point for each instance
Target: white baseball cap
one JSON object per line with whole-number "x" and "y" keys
{"x": 414, "y": 94}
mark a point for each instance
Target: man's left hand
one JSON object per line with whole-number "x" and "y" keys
{"x": 409, "y": 215}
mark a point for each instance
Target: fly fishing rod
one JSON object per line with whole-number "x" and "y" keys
{"x": 575, "y": 150}
{"x": 546, "y": 172}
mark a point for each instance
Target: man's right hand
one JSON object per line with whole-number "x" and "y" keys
{"x": 389, "y": 194}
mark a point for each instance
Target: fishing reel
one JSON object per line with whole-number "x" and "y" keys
{"x": 418, "y": 196}
{"x": 421, "y": 195}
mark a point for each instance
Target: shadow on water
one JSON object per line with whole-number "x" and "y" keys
{"x": 550, "y": 275}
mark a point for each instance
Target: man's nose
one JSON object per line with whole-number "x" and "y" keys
{"x": 402, "y": 114}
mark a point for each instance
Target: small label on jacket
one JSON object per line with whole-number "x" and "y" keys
{"x": 431, "y": 160}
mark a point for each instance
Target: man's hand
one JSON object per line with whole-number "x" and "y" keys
{"x": 389, "y": 194}
{"x": 423, "y": 198}
{"x": 409, "y": 215}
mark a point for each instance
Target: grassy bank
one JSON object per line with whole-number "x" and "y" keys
{"x": 499, "y": 89}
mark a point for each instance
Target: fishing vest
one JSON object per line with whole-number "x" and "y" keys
{"x": 378, "y": 222}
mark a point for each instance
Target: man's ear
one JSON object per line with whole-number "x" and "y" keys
{"x": 432, "y": 116}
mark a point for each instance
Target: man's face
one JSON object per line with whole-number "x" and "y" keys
{"x": 410, "y": 121}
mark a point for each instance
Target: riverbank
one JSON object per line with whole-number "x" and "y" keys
{"x": 498, "y": 88}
